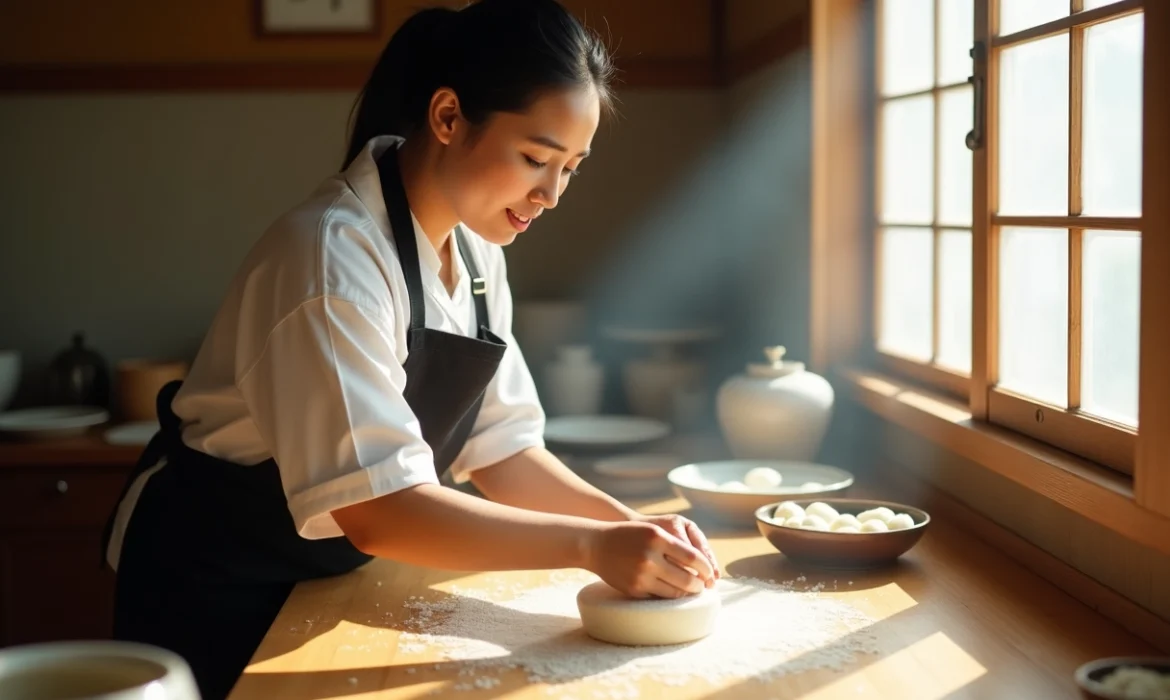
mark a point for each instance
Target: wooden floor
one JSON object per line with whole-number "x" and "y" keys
{"x": 955, "y": 618}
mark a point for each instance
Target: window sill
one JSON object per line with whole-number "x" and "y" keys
{"x": 1099, "y": 494}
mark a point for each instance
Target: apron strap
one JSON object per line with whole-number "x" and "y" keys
{"x": 478, "y": 283}
{"x": 398, "y": 209}
{"x": 170, "y": 431}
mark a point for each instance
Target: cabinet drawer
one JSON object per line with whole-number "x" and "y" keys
{"x": 53, "y": 498}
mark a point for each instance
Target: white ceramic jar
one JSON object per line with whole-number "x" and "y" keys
{"x": 573, "y": 382}
{"x": 775, "y": 410}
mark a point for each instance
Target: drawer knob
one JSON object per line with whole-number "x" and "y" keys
{"x": 62, "y": 486}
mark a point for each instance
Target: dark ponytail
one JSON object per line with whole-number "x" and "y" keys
{"x": 497, "y": 55}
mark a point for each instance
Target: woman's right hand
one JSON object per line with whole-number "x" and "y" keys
{"x": 641, "y": 560}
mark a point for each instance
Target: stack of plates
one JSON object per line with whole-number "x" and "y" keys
{"x": 616, "y": 453}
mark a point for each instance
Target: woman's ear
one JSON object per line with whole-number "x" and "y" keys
{"x": 444, "y": 115}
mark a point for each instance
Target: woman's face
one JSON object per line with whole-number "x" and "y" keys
{"x": 501, "y": 175}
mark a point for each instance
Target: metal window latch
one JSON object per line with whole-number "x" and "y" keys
{"x": 975, "y": 136}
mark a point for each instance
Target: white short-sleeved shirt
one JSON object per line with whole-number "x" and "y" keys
{"x": 304, "y": 359}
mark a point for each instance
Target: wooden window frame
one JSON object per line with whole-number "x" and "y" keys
{"x": 842, "y": 313}
{"x": 1068, "y": 427}
{"x": 943, "y": 378}
{"x": 1100, "y": 440}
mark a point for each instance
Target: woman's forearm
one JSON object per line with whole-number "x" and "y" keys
{"x": 537, "y": 480}
{"x": 434, "y": 526}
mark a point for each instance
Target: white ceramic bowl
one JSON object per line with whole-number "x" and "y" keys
{"x": 692, "y": 482}
{"x": 9, "y": 376}
{"x": 95, "y": 670}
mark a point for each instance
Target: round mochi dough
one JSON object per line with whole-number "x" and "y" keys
{"x": 874, "y": 525}
{"x": 609, "y": 616}
{"x": 822, "y": 510}
{"x": 847, "y": 529}
{"x": 787, "y": 510}
{"x": 762, "y": 478}
{"x": 737, "y": 486}
{"x": 795, "y": 521}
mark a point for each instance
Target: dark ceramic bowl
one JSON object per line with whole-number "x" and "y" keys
{"x": 843, "y": 550}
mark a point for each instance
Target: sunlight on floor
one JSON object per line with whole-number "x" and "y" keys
{"x": 931, "y": 668}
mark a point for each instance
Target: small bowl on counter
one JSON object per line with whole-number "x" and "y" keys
{"x": 733, "y": 490}
{"x": 852, "y": 547}
{"x": 1125, "y": 678}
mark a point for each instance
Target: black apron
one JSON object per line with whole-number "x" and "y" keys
{"x": 211, "y": 552}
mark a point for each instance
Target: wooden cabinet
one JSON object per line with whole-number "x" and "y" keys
{"x": 52, "y": 513}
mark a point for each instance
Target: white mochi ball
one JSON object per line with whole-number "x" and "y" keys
{"x": 737, "y": 486}
{"x": 881, "y": 513}
{"x": 847, "y": 530}
{"x": 762, "y": 478}
{"x": 874, "y": 525}
{"x": 795, "y": 521}
{"x": 824, "y": 510}
{"x": 845, "y": 520}
{"x": 901, "y": 521}
{"x": 813, "y": 522}
{"x": 787, "y": 510}
{"x": 705, "y": 484}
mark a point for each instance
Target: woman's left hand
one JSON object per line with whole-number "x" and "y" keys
{"x": 686, "y": 531}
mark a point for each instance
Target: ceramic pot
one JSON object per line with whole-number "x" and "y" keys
{"x": 573, "y": 382}
{"x": 95, "y": 669}
{"x": 78, "y": 376}
{"x": 775, "y": 410}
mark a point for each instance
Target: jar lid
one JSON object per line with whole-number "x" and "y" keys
{"x": 775, "y": 366}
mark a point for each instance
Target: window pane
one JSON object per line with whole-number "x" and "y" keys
{"x": 907, "y": 161}
{"x": 907, "y": 272}
{"x": 1015, "y": 15}
{"x": 956, "y": 36}
{"x": 907, "y": 28}
{"x": 1094, "y": 4}
{"x": 1109, "y": 317}
{"x": 954, "y": 158}
{"x": 1033, "y": 313}
{"x": 1112, "y": 139}
{"x": 954, "y": 299}
{"x": 1033, "y": 149}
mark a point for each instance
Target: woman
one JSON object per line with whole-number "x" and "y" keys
{"x": 364, "y": 349}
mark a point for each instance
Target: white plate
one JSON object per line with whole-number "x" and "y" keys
{"x": 132, "y": 433}
{"x": 52, "y": 421}
{"x": 637, "y": 466}
{"x": 603, "y": 431}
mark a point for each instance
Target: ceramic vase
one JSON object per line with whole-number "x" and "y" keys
{"x": 775, "y": 410}
{"x": 573, "y": 382}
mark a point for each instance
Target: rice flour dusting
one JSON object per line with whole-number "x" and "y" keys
{"x": 765, "y": 630}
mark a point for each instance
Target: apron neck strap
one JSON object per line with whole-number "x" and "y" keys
{"x": 398, "y": 210}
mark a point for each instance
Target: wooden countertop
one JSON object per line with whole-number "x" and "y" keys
{"x": 954, "y": 618}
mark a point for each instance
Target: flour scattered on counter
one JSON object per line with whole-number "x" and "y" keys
{"x": 765, "y": 630}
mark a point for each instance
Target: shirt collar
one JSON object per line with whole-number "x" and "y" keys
{"x": 362, "y": 176}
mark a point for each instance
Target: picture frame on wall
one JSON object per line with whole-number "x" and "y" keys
{"x": 303, "y": 18}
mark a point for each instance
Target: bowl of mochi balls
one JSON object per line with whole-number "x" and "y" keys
{"x": 733, "y": 490}
{"x": 1125, "y": 678}
{"x": 842, "y": 533}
